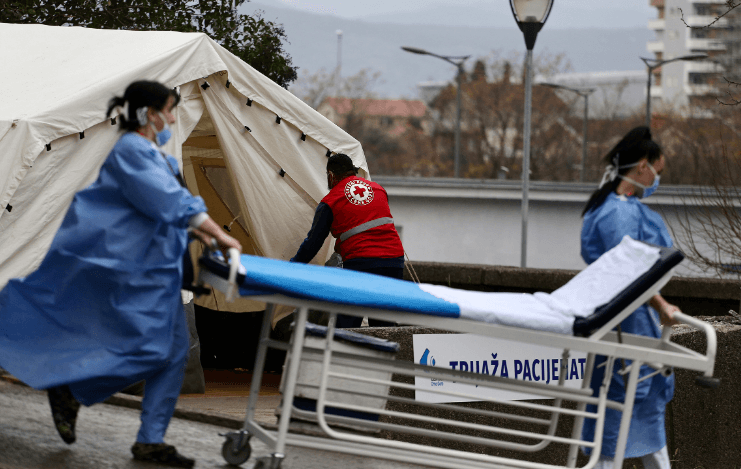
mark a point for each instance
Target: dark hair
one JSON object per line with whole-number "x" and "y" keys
{"x": 634, "y": 146}
{"x": 341, "y": 165}
{"x": 140, "y": 94}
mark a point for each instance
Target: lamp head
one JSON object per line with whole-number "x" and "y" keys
{"x": 695, "y": 57}
{"x": 414, "y": 50}
{"x": 531, "y": 15}
{"x": 531, "y": 11}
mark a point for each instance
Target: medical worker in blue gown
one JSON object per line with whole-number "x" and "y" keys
{"x": 615, "y": 210}
{"x": 103, "y": 310}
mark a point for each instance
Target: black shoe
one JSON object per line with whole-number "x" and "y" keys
{"x": 160, "y": 453}
{"x": 64, "y": 409}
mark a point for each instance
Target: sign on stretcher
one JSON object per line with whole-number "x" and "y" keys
{"x": 494, "y": 357}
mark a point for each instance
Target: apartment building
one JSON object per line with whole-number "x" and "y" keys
{"x": 685, "y": 27}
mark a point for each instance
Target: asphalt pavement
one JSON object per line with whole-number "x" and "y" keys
{"x": 105, "y": 433}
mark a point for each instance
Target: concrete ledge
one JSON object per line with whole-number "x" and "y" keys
{"x": 695, "y": 296}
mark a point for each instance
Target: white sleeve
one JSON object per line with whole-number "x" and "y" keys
{"x": 197, "y": 220}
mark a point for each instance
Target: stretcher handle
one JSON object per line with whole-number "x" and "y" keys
{"x": 234, "y": 263}
{"x": 706, "y": 380}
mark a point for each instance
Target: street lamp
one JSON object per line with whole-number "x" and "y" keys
{"x": 458, "y": 62}
{"x": 583, "y": 92}
{"x": 530, "y": 16}
{"x": 653, "y": 65}
{"x": 338, "y": 72}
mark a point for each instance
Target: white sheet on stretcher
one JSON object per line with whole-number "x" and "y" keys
{"x": 593, "y": 287}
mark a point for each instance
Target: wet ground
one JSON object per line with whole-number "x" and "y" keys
{"x": 105, "y": 433}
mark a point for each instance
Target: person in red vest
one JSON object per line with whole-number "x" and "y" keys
{"x": 356, "y": 212}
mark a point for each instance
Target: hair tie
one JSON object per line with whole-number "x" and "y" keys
{"x": 141, "y": 115}
{"x": 611, "y": 172}
{"x": 124, "y": 109}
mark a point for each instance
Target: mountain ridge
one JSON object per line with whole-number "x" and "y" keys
{"x": 312, "y": 44}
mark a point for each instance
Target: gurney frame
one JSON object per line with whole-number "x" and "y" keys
{"x": 659, "y": 354}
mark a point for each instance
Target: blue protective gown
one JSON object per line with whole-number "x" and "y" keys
{"x": 603, "y": 228}
{"x": 103, "y": 310}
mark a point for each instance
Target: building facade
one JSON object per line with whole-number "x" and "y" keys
{"x": 686, "y": 27}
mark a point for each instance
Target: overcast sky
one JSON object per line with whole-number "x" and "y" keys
{"x": 565, "y": 14}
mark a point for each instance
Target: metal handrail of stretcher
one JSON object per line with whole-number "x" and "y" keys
{"x": 664, "y": 355}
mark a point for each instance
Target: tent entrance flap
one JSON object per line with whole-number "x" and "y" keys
{"x": 206, "y": 174}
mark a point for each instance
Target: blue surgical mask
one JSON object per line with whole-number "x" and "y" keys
{"x": 163, "y": 135}
{"x": 652, "y": 188}
{"x": 646, "y": 190}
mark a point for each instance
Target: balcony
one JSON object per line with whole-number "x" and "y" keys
{"x": 702, "y": 67}
{"x": 657, "y": 24}
{"x": 655, "y": 46}
{"x": 699, "y": 90}
{"x": 700, "y": 21}
{"x": 705, "y": 44}
{"x": 656, "y": 92}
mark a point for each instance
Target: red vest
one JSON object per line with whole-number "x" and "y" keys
{"x": 355, "y": 201}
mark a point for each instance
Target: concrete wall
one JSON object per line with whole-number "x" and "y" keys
{"x": 480, "y": 221}
{"x": 693, "y": 295}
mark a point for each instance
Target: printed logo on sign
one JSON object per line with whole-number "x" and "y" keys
{"x": 358, "y": 192}
{"x": 428, "y": 359}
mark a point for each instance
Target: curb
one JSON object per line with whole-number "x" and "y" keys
{"x": 135, "y": 402}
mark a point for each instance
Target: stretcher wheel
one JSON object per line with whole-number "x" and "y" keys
{"x": 236, "y": 449}
{"x": 707, "y": 382}
{"x": 269, "y": 462}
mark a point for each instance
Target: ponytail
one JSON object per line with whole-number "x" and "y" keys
{"x": 139, "y": 95}
{"x": 599, "y": 196}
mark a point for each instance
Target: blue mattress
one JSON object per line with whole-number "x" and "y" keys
{"x": 585, "y": 303}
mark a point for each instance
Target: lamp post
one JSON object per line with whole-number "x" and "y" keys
{"x": 583, "y": 92}
{"x": 458, "y": 62}
{"x": 338, "y": 73}
{"x": 652, "y": 65}
{"x": 530, "y": 16}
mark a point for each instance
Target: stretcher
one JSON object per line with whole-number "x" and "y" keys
{"x": 583, "y": 315}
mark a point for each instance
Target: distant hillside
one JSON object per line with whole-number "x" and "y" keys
{"x": 313, "y": 45}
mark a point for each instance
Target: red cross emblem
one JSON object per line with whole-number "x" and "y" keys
{"x": 358, "y": 192}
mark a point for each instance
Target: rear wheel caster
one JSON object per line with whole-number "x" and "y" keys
{"x": 236, "y": 449}
{"x": 270, "y": 462}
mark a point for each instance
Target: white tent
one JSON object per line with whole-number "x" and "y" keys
{"x": 255, "y": 152}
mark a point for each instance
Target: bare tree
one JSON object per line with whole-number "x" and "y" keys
{"x": 709, "y": 230}
{"x": 705, "y": 157}
{"x": 314, "y": 87}
{"x": 492, "y": 120}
